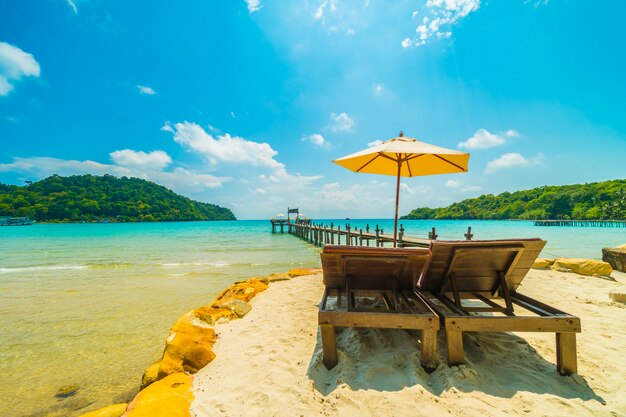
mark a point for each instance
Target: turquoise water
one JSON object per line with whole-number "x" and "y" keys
{"x": 91, "y": 304}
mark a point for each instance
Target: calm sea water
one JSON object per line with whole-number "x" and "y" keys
{"x": 91, "y": 304}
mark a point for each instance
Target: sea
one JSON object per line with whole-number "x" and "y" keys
{"x": 90, "y": 305}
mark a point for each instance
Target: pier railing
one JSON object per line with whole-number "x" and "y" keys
{"x": 581, "y": 223}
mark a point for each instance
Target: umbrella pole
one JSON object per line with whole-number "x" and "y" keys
{"x": 395, "y": 219}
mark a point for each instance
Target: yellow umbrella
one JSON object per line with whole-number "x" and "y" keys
{"x": 405, "y": 157}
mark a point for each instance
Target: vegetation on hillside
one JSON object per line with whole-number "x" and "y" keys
{"x": 88, "y": 198}
{"x": 599, "y": 200}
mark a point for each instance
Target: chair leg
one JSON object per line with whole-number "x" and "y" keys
{"x": 566, "y": 362}
{"x": 454, "y": 340}
{"x": 329, "y": 345}
{"x": 429, "y": 359}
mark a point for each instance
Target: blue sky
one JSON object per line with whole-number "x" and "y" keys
{"x": 245, "y": 103}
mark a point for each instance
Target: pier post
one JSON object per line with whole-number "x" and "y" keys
{"x": 332, "y": 236}
{"x": 400, "y": 235}
{"x": 339, "y": 235}
{"x": 432, "y": 235}
{"x": 469, "y": 234}
{"x": 348, "y": 237}
{"x": 367, "y": 228}
{"x": 377, "y": 235}
{"x": 360, "y": 237}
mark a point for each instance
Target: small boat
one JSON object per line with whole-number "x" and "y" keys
{"x": 15, "y": 221}
{"x": 347, "y": 218}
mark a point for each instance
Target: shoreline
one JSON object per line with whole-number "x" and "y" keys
{"x": 269, "y": 362}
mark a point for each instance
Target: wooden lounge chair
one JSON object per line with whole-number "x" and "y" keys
{"x": 375, "y": 287}
{"x": 473, "y": 285}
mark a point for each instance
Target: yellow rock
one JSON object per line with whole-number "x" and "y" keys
{"x": 111, "y": 411}
{"x": 542, "y": 263}
{"x": 583, "y": 266}
{"x": 169, "y": 397}
{"x": 150, "y": 375}
{"x": 283, "y": 276}
{"x": 188, "y": 347}
{"x": 212, "y": 313}
{"x": 622, "y": 246}
{"x": 303, "y": 271}
{"x": 244, "y": 290}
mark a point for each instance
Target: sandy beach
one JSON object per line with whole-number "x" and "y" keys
{"x": 269, "y": 362}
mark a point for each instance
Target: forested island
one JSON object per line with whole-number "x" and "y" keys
{"x": 594, "y": 201}
{"x": 103, "y": 198}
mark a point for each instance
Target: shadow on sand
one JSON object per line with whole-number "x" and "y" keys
{"x": 497, "y": 364}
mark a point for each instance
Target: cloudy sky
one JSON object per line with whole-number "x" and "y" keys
{"x": 245, "y": 103}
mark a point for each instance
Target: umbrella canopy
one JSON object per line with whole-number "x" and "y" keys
{"x": 405, "y": 157}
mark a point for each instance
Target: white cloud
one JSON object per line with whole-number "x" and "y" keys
{"x": 378, "y": 89}
{"x": 156, "y": 160}
{"x": 342, "y": 122}
{"x": 179, "y": 179}
{"x": 15, "y": 64}
{"x": 224, "y": 148}
{"x": 453, "y": 183}
{"x": 512, "y": 160}
{"x": 405, "y": 188}
{"x": 471, "y": 188}
{"x": 441, "y": 14}
{"x": 483, "y": 139}
{"x": 253, "y": 5}
{"x": 72, "y": 4}
{"x": 146, "y": 90}
{"x": 317, "y": 140}
{"x": 374, "y": 143}
{"x": 511, "y": 133}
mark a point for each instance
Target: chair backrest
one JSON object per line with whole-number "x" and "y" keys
{"x": 477, "y": 264}
{"x": 372, "y": 268}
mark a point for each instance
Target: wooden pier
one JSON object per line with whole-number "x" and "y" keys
{"x": 581, "y": 223}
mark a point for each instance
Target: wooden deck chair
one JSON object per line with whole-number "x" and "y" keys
{"x": 375, "y": 287}
{"x": 473, "y": 285}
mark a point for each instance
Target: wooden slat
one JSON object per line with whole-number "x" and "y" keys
{"x": 513, "y": 324}
{"x": 379, "y": 320}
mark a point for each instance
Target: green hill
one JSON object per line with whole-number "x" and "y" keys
{"x": 598, "y": 200}
{"x": 89, "y": 198}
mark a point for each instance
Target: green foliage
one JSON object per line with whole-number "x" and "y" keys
{"x": 91, "y": 198}
{"x": 594, "y": 201}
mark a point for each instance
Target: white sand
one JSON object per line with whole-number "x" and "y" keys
{"x": 269, "y": 362}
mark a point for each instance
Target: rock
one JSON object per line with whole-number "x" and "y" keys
{"x": 616, "y": 257}
{"x": 240, "y": 308}
{"x": 169, "y": 397}
{"x": 618, "y": 296}
{"x": 111, "y": 411}
{"x": 303, "y": 271}
{"x": 188, "y": 348}
{"x": 583, "y": 266}
{"x": 67, "y": 391}
{"x": 212, "y": 314}
{"x": 243, "y": 290}
{"x": 283, "y": 276}
{"x": 150, "y": 375}
{"x": 542, "y": 263}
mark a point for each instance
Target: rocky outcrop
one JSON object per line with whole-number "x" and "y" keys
{"x": 582, "y": 266}
{"x": 111, "y": 411}
{"x": 542, "y": 263}
{"x": 303, "y": 271}
{"x": 189, "y": 346}
{"x": 616, "y": 257}
{"x": 150, "y": 375}
{"x": 169, "y": 397}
